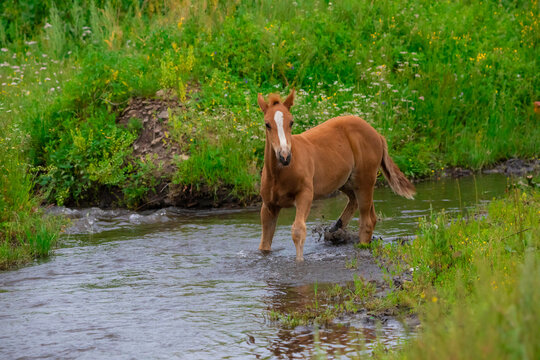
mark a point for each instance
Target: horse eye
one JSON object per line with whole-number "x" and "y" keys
{"x": 292, "y": 123}
{"x": 268, "y": 126}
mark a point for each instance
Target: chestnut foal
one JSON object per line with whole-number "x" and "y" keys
{"x": 343, "y": 153}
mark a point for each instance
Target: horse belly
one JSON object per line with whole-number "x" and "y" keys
{"x": 331, "y": 176}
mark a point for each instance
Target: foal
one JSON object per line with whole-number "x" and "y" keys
{"x": 343, "y": 153}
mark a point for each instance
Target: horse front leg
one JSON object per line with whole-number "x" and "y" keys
{"x": 303, "y": 206}
{"x": 269, "y": 215}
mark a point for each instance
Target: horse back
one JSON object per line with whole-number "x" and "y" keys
{"x": 339, "y": 148}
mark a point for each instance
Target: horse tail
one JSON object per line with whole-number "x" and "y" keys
{"x": 398, "y": 182}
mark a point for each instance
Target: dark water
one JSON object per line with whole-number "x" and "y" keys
{"x": 191, "y": 285}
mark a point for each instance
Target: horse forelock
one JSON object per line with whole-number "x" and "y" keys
{"x": 274, "y": 99}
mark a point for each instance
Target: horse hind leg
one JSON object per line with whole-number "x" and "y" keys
{"x": 348, "y": 212}
{"x": 368, "y": 218}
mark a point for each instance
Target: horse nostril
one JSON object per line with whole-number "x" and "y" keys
{"x": 285, "y": 161}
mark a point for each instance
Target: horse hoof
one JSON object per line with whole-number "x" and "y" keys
{"x": 336, "y": 226}
{"x": 265, "y": 251}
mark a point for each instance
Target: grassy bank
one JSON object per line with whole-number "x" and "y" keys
{"x": 445, "y": 90}
{"x": 472, "y": 281}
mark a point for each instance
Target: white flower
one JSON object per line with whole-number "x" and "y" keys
{"x": 3, "y": 49}
{"x": 47, "y": 25}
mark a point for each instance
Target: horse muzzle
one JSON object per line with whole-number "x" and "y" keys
{"x": 285, "y": 160}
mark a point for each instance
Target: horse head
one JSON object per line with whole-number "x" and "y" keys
{"x": 279, "y": 122}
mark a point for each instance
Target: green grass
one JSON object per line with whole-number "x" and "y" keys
{"x": 445, "y": 90}
{"x": 474, "y": 282}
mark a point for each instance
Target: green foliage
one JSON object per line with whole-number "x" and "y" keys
{"x": 134, "y": 125}
{"x": 175, "y": 70}
{"x": 217, "y": 166}
{"x": 473, "y": 282}
{"x": 145, "y": 175}
{"x": 25, "y": 232}
{"x": 223, "y": 150}
{"x": 91, "y": 153}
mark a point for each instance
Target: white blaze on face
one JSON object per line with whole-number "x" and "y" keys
{"x": 278, "y": 118}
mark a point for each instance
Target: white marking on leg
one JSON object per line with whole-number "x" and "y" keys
{"x": 278, "y": 118}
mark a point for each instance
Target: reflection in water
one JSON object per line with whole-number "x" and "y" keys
{"x": 352, "y": 335}
{"x": 186, "y": 284}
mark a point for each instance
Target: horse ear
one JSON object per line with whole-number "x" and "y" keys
{"x": 289, "y": 100}
{"x": 262, "y": 104}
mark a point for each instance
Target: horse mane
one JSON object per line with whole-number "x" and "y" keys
{"x": 274, "y": 99}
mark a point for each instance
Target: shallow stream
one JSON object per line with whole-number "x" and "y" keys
{"x": 191, "y": 284}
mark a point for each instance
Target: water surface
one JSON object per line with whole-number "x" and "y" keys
{"x": 191, "y": 285}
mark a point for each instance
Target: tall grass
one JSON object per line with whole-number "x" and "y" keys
{"x": 25, "y": 232}
{"x": 474, "y": 283}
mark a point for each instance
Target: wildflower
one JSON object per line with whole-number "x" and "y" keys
{"x": 47, "y": 25}
{"x": 434, "y": 299}
{"x": 421, "y": 98}
{"x": 3, "y": 49}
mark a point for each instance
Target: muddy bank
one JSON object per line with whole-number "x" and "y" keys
{"x": 510, "y": 167}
